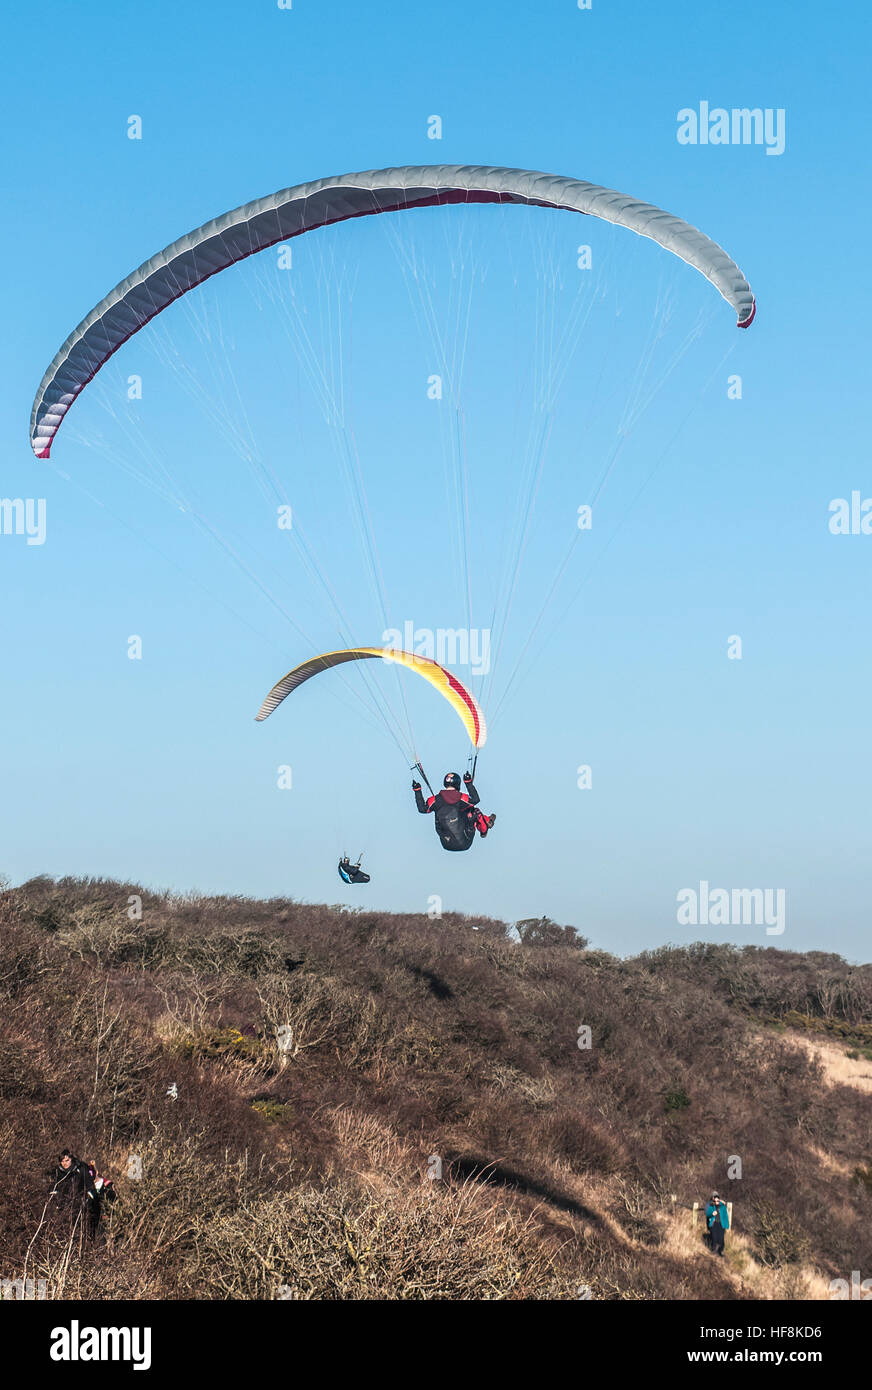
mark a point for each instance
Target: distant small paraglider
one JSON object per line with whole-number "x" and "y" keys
{"x": 352, "y": 873}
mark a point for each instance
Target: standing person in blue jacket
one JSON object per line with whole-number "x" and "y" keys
{"x": 718, "y": 1221}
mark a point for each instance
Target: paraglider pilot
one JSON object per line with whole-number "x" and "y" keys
{"x": 454, "y": 811}
{"x": 351, "y": 873}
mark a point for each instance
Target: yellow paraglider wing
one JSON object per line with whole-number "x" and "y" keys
{"x": 462, "y": 701}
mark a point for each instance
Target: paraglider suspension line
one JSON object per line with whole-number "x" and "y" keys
{"x": 424, "y": 775}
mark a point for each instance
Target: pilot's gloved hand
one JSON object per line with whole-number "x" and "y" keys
{"x": 416, "y": 786}
{"x": 467, "y": 776}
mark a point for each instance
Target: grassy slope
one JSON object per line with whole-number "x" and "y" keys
{"x": 417, "y": 1048}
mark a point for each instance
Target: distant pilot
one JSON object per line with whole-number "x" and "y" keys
{"x": 351, "y": 873}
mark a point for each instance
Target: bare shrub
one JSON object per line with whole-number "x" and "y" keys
{"x": 338, "y": 1243}
{"x": 778, "y": 1238}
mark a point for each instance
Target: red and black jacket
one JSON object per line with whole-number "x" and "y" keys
{"x": 454, "y": 815}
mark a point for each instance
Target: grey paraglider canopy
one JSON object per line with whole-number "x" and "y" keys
{"x": 222, "y": 242}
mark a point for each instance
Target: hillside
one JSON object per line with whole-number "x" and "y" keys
{"x": 302, "y": 1101}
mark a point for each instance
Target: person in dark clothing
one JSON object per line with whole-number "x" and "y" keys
{"x": 107, "y": 1191}
{"x": 718, "y": 1221}
{"x": 73, "y": 1185}
{"x": 104, "y": 1191}
{"x": 351, "y": 873}
{"x": 454, "y": 811}
{"x": 71, "y": 1177}
{"x": 103, "y": 1185}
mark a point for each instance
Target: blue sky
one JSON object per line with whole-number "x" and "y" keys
{"x": 742, "y": 774}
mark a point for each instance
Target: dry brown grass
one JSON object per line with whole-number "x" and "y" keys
{"x": 839, "y": 1067}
